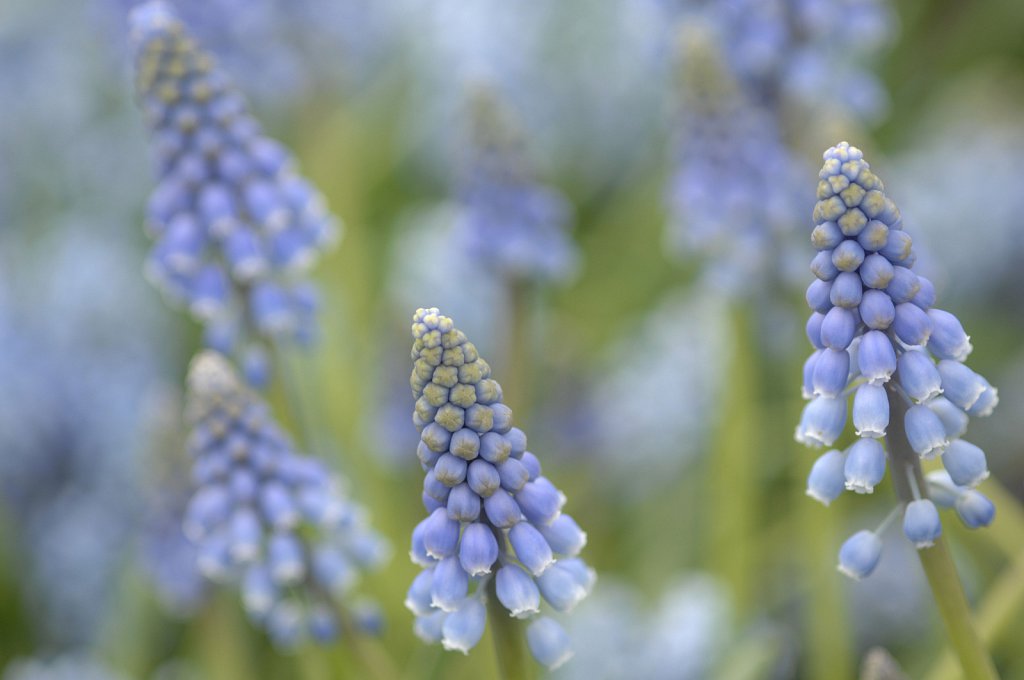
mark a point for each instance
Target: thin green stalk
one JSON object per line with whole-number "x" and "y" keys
{"x": 936, "y": 560}
{"x": 222, "y": 643}
{"x": 515, "y": 381}
{"x": 732, "y": 469}
{"x": 514, "y": 662}
{"x": 368, "y": 650}
{"x": 996, "y": 614}
{"x": 302, "y": 416}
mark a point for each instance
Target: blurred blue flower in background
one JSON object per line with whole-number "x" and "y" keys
{"x": 168, "y": 559}
{"x": 811, "y": 52}
{"x": 67, "y": 136}
{"x": 78, "y": 346}
{"x": 681, "y": 635}
{"x": 663, "y": 412}
{"x": 235, "y": 225}
{"x": 275, "y": 522}
{"x": 729, "y": 148}
{"x": 586, "y": 85}
{"x": 972, "y": 164}
{"x": 281, "y": 51}
{"x": 512, "y": 226}
{"x": 752, "y": 75}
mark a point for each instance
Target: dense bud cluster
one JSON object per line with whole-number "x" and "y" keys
{"x": 266, "y": 517}
{"x": 235, "y": 225}
{"x": 492, "y": 514}
{"x": 878, "y": 338}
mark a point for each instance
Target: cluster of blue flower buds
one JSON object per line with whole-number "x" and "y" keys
{"x": 509, "y": 221}
{"x": 235, "y": 225}
{"x": 728, "y": 146}
{"x": 274, "y": 521}
{"x": 492, "y": 514}
{"x": 878, "y": 337}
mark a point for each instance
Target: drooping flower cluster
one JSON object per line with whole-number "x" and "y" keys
{"x": 267, "y": 517}
{"x": 235, "y": 225}
{"x": 515, "y": 226}
{"x": 878, "y": 337}
{"x": 493, "y": 515}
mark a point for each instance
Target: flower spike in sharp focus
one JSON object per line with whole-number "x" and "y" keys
{"x": 263, "y": 516}
{"x": 878, "y": 338}
{"x": 492, "y": 515}
{"x": 234, "y": 223}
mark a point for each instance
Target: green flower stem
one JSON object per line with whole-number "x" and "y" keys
{"x": 732, "y": 469}
{"x": 936, "y": 560}
{"x": 302, "y": 416}
{"x": 368, "y": 650}
{"x": 222, "y": 644}
{"x": 997, "y": 612}
{"x": 515, "y": 382}
{"x": 514, "y": 662}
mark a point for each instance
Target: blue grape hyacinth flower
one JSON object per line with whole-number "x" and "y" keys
{"x": 879, "y": 339}
{"x": 728, "y": 147}
{"x": 267, "y": 518}
{"x": 235, "y": 225}
{"x": 515, "y": 225}
{"x": 492, "y": 514}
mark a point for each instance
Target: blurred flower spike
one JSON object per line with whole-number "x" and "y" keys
{"x": 728, "y": 147}
{"x": 512, "y": 223}
{"x": 492, "y": 515}
{"x": 235, "y": 225}
{"x": 879, "y": 339}
{"x": 267, "y": 518}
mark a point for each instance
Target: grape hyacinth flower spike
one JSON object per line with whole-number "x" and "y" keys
{"x": 511, "y": 222}
{"x": 728, "y": 147}
{"x": 273, "y": 521}
{"x": 495, "y": 536}
{"x": 235, "y": 225}
{"x": 879, "y": 339}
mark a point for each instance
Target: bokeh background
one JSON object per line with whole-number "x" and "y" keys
{"x": 653, "y": 358}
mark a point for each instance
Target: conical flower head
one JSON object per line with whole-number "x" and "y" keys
{"x": 511, "y": 222}
{"x": 265, "y": 517}
{"x": 728, "y": 149}
{"x": 235, "y": 225}
{"x": 877, "y": 338}
{"x": 491, "y": 513}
